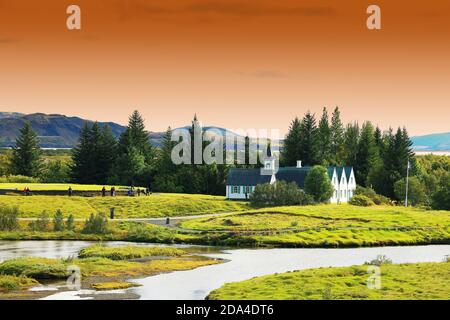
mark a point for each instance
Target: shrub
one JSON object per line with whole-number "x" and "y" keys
{"x": 55, "y": 171}
{"x": 361, "y": 201}
{"x": 96, "y": 224}
{"x": 318, "y": 184}
{"x": 371, "y": 194}
{"x": 379, "y": 260}
{"x": 8, "y": 219}
{"x": 70, "y": 224}
{"x": 18, "y": 179}
{"x": 416, "y": 191}
{"x": 144, "y": 232}
{"x": 441, "y": 198}
{"x": 41, "y": 224}
{"x": 58, "y": 221}
{"x": 279, "y": 194}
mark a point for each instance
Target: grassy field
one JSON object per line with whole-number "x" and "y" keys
{"x": 325, "y": 226}
{"x": 56, "y": 187}
{"x": 406, "y": 281}
{"x": 300, "y": 218}
{"x": 155, "y": 205}
{"x": 329, "y": 226}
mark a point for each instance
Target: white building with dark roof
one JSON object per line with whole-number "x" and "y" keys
{"x": 242, "y": 182}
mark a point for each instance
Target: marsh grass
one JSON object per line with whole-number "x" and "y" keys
{"x": 113, "y": 285}
{"x": 9, "y": 283}
{"x": 405, "y": 281}
{"x": 128, "y": 252}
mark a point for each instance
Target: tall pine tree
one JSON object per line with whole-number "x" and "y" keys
{"x": 308, "y": 141}
{"x": 351, "y": 140}
{"x": 324, "y": 139}
{"x": 367, "y": 155}
{"x": 337, "y": 137}
{"x": 26, "y": 155}
{"x": 94, "y": 156}
{"x": 290, "y": 152}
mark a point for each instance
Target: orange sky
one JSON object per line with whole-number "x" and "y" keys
{"x": 236, "y": 63}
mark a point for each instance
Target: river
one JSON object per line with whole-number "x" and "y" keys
{"x": 241, "y": 264}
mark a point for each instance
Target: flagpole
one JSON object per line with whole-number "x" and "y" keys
{"x": 407, "y": 182}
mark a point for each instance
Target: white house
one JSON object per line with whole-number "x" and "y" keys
{"x": 242, "y": 182}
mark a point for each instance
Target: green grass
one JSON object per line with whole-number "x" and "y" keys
{"x": 36, "y": 268}
{"x": 406, "y": 281}
{"x": 322, "y": 216}
{"x": 156, "y": 205}
{"x": 113, "y": 285}
{"x": 9, "y": 283}
{"x": 55, "y": 187}
{"x": 128, "y": 252}
{"x": 328, "y": 226}
{"x": 43, "y": 268}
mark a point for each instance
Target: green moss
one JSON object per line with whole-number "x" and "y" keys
{"x": 407, "y": 281}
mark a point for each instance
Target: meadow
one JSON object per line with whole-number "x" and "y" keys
{"x": 404, "y": 281}
{"x": 57, "y": 187}
{"x": 155, "y": 205}
{"x": 327, "y": 226}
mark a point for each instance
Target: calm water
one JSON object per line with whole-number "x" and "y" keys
{"x": 242, "y": 264}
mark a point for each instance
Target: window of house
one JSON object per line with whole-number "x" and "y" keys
{"x": 235, "y": 189}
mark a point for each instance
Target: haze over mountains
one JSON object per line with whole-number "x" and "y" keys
{"x": 59, "y": 131}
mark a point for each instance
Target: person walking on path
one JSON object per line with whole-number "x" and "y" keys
{"x": 103, "y": 191}
{"x": 70, "y": 191}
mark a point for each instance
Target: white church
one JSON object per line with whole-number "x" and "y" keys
{"x": 242, "y": 182}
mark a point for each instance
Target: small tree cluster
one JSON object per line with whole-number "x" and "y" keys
{"x": 361, "y": 201}
{"x": 96, "y": 224}
{"x": 42, "y": 223}
{"x": 372, "y": 195}
{"x": 318, "y": 184}
{"x": 8, "y": 219}
{"x": 279, "y": 194}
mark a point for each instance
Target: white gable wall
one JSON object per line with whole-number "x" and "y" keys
{"x": 335, "y": 184}
{"x": 343, "y": 190}
{"x": 351, "y": 187}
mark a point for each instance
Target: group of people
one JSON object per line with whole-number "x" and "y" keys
{"x": 137, "y": 192}
{"x": 26, "y": 191}
{"x": 112, "y": 192}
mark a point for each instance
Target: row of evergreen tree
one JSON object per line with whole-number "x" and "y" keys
{"x": 379, "y": 158}
{"x": 99, "y": 158}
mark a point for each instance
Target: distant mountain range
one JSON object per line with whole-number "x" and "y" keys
{"x": 59, "y": 131}
{"x": 54, "y": 130}
{"x": 432, "y": 142}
